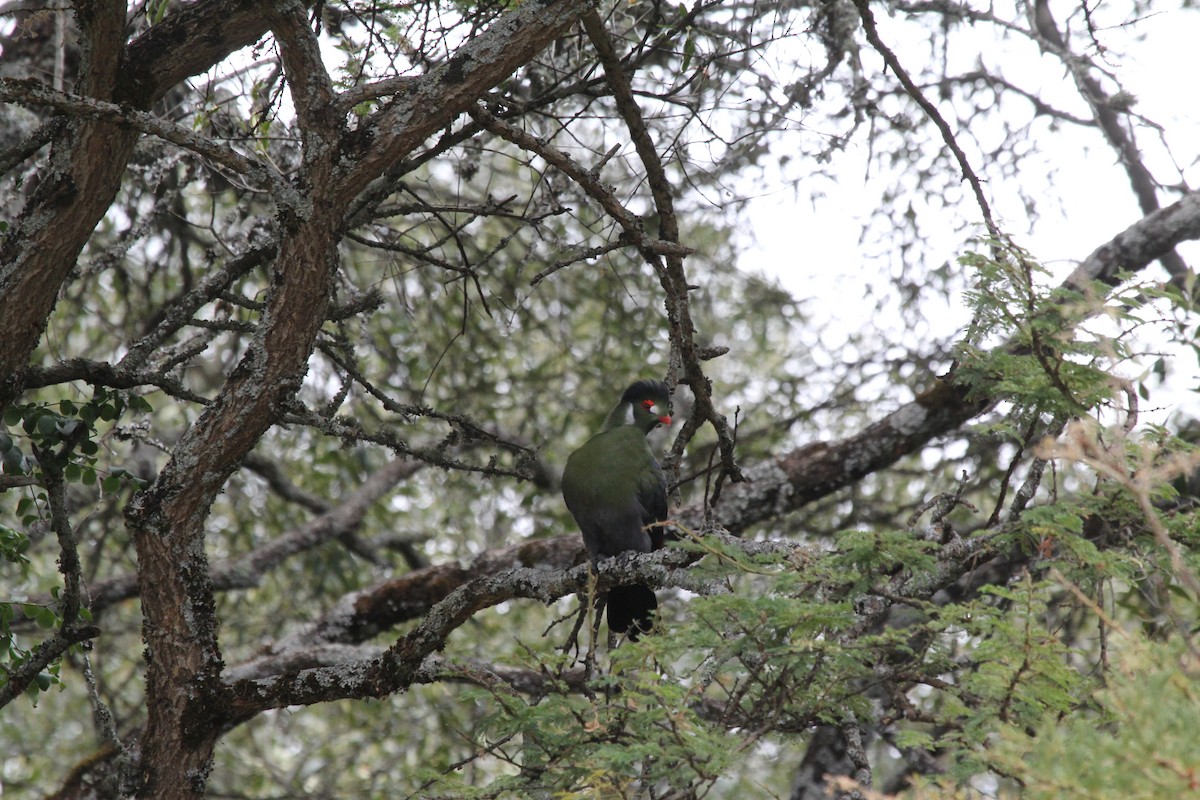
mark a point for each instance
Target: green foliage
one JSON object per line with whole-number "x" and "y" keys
{"x": 682, "y": 710}
{"x": 67, "y": 437}
{"x": 13, "y": 544}
{"x": 1020, "y": 672}
{"x": 868, "y": 554}
{"x": 156, "y": 10}
{"x": 66, "y": 433}
{"x": 755, "y": 665}
{"x": 1136, "y": 739}
{"x": 1026, "y": 343}
{"x": 605, "y": 742}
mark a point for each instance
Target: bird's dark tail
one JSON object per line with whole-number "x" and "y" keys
{"x": 631, "y": 608}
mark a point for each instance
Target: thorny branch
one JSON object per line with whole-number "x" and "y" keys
{"x": 650, "y": 247}
{"x": 914, "y": 91}
{"x": 674, "y": 280}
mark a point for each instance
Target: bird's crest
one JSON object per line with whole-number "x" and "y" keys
{"x": 646, "y": 388}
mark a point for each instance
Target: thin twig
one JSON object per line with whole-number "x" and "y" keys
{"x": 914, "y": 91}
{"x": 671, "y": 274}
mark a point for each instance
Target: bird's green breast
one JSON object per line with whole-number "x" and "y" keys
{"x": 610, "y": 467}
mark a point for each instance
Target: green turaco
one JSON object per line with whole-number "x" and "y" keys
{"x": 616, "y": 491}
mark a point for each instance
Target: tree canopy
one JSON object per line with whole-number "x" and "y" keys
{"x": 302, "y": 308}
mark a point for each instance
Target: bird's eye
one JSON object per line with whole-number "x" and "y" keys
{"x": 648, "y": 404}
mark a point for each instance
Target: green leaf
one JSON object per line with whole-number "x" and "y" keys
{"x": 689, "y": 50}
{"x": 13, "y": 545}
{"x": 47, "y": 425}
{"x": 14, "y": 461}
{"x": 156, "y": 10}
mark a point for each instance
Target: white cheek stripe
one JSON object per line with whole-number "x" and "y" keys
{"x": 629, "y": 413}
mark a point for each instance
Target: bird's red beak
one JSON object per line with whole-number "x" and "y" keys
{"x": 665, "y": 419}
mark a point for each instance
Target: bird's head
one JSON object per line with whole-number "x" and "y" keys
{"x": 646, "y": 404}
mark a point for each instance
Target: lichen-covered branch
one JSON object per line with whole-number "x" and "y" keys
{"x": 81, "y": 107}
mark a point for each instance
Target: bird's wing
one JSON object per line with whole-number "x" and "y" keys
{"x": 652, "y": 495}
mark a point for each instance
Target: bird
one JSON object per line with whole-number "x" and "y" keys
{"x": 617, "y": 492}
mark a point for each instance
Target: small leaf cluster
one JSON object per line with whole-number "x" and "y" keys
{"x": 42, "y": 442}
{"x": 14, "y": 654}
{"x": 67, "y": 434}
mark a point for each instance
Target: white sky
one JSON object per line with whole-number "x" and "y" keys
{"x": 813, "y": 247}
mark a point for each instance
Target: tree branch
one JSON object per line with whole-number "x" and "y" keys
{"x": 399, "y": 667}
{"x": 674, "y": 280}
{"x": 72, "y": 629}
{"x": 453, "y": 86}
{"x": 1108, "y": 117}
{"x": 588, "y": 180}
{"x": 914, "y": 91}
{"x": 32, "y": 93}
{"x": 88, "y": 156}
